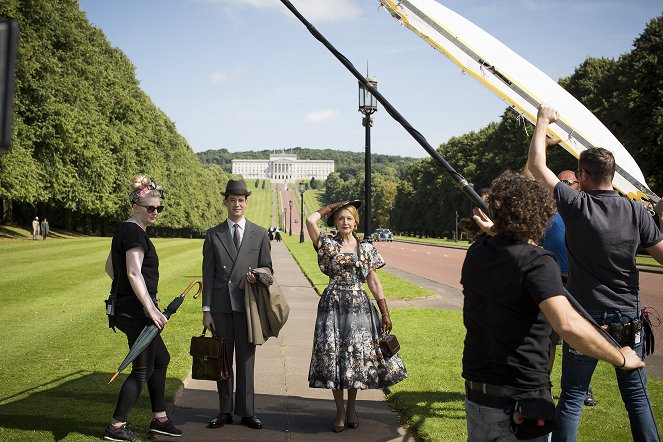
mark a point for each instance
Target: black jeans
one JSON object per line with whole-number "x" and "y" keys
{"x": 150, "y": 366}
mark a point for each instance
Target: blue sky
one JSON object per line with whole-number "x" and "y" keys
{"x": 246, "y": 75}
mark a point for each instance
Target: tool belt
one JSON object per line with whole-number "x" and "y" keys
{"x": 532, "y": 413}
{"x": 625, "y": 333}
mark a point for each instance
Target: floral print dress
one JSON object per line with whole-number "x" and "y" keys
{"x": 348, "y": 327}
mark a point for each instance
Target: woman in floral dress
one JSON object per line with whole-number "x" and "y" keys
{"x": 346, "y": 355}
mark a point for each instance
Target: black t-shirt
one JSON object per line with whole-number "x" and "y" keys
{"x": 128, "y": 236}
{"x": 507, "y": 336}
{"x": 603, "y": 233}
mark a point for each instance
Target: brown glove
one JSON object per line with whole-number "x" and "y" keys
{"x": 329, "y": 208}
{"x": 384, "y": 311}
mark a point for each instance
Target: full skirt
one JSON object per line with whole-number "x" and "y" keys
{"x": 346, "y": 353}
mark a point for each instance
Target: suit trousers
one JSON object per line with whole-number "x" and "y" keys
{"x": 233, "y": 327}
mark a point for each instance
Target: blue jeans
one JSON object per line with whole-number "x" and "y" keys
{"x": 577, "y": 370}
{"x": 490, "y": 424}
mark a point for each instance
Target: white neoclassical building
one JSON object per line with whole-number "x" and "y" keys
{"x": 283, "y": 167}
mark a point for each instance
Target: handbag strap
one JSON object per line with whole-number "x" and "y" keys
{"x": 204, "y": 331}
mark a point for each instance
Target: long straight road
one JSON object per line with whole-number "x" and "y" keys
{"x": 443, "y": 265}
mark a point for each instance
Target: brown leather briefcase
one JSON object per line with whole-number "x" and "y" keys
{"x": 210, "y": 358}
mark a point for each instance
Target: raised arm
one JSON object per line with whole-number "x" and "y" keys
{"x": 312, "y": 227}
{"x": 312, "y": 220}
{"x": 536, "y": 158}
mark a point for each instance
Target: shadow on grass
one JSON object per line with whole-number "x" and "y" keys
{"x": 79, "y": 403}
{"x": 418, "y": 406}
{"x": 8, "y": 233}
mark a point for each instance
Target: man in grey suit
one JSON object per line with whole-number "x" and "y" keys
{"x": 230, "y": 251}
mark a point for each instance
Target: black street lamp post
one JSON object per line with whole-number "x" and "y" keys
{"x": 290, "y": 204}
{"x": 302, "y": 189}
{"x": 456, "y": 236}
{"x": 368, "y": 105}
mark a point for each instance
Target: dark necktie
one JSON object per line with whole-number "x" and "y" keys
{"x": 236, "y": 237}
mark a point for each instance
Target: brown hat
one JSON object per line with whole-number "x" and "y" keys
{"x": 236, "y": 188}
{"x": 330, "y": 218}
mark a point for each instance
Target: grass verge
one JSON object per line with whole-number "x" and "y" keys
{"x": 431, "y": 400}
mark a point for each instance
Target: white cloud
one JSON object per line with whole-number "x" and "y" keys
{"x": 218, "y": 77}
{"x": 325, "y": 10}
{"x": 321, "y": 116}
{"x": 314, "y": 10}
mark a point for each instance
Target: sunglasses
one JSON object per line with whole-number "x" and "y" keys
{"x": 569, "y": 182}
{"x": 151, "y": 209}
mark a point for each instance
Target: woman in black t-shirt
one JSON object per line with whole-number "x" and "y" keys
{"x": 133, "y": 265}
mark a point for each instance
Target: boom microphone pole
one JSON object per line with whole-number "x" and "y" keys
{"x": 461, "y": 182}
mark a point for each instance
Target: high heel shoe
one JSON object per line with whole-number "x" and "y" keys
{"x": 354, "y": 424}
{"x": 339, "y": 428}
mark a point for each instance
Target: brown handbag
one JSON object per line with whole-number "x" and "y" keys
{"x": 210, "y": 358}
{"x": 389, "y": 345}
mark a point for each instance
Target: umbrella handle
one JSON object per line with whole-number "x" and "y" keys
{"x": 191, "y": 284}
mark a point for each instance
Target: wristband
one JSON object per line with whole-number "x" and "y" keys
{"x": 624, "y": 363}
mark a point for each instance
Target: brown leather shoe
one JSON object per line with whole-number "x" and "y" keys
{"x": 252, "y": 422}
{"x": 220, "y": 420}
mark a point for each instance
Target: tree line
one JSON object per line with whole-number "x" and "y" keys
{"x": 83, "y": 128}
{"x": 626, "y": 94}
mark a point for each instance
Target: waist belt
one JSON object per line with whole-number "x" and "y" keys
{"x": 492, "y": 390}
{"x": 503, "y": 402}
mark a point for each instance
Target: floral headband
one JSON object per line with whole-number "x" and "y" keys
{"x": 139, "y": 193}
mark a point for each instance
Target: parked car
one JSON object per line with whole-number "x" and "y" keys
{"x": 383, "y": 235}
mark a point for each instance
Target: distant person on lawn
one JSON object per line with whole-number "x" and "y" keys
{"x": 44, "y": 228}
{"x": 133, "y": 265}
{"x": 35, "y": 228}
{"x": 513, "y": 295}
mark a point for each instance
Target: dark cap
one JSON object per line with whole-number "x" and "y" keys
{"x": 330, "y": 218}
{"x": 236, "y": 188}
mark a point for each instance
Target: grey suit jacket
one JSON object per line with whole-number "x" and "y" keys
{"x": 224, "y": 268}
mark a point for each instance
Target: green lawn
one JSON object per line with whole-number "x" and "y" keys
{"x": 432, "y": 398}
{"x": 59, "y": 352}
{"x": 259, "y": 209}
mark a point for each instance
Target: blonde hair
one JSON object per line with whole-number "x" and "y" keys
{"x": 142, "y": 186}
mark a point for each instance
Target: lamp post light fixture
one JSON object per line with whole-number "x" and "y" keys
{"x": 302, "y": 189}
{"x": 368, "y": 105}
{"x": 290, "y": 204}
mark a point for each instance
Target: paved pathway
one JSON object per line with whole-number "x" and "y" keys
{"x": 289, "y": 410}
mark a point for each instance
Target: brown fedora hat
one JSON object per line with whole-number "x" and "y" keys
{"x": 236, "y": 187}
{"x": 330, "y": 218}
